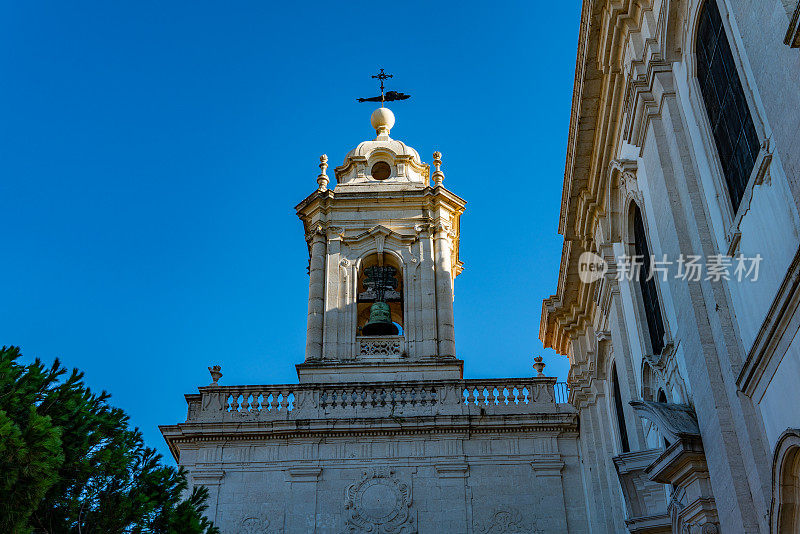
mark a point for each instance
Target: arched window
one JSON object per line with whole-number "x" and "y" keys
{"x": 786, "y": 483}
{"x": 728, "y": 113}
{"x": 380, "y": 282}
{"x": 662, "y": 397}
{"x": 647, "y": 285}
{"x": 623, "y": 429}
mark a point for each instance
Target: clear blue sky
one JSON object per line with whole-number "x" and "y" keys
{"x": 152, "y": 152}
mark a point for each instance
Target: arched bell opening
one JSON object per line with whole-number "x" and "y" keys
{"x": 380, "y": 296}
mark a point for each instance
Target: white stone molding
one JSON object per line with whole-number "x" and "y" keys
{"x": 781, "y": 321}
{"x": 207, "y": 477}
{"x": 304, "y": 473}
{"x": 452, "y": 470}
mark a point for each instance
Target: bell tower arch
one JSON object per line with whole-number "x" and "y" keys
{"x": 383, "y": 257}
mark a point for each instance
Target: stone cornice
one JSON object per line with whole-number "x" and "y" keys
{"x": 598, "y": 107}
{"x": 460, "y": 425}
{"x": 319, "y": 210}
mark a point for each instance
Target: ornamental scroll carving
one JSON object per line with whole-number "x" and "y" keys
{"x": 258, "y": 525}
{"x": 505, "y": 520}
{"x": 379, "y": 504}
{"x": 380, "y": 348}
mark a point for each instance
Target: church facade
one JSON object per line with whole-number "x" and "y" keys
{"x": 382, "y": 434}
{"x": 677, "y": 298}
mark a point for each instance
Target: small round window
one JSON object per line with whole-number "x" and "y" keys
{"x": 381, "y": 170}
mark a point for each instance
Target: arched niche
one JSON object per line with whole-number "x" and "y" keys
{"x": 366, "y": 297}
{"x": 785, "y": 513}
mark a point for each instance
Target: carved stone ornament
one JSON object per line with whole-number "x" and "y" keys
{"x": 380, "y": 347}
{"x": 672, "y": 420}
{"x": 379, "y": 504}
{"x": 258, "y": 525}
{"x": 505, "y": 520}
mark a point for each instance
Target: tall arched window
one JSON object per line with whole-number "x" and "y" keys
{"x": 380, "y": 283}
{"x": 662, "y": 397}
{"x": 647, "y": 285}
{"x": 623, "y": 429}
{"x": 734, "y": 133}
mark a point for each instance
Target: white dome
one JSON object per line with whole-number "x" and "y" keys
{"x": 407, "y": 168}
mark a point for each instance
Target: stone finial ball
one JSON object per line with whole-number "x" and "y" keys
{"x": 382, "y": 118}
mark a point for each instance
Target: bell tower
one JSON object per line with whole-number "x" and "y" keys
{"x": 383, "y": 256}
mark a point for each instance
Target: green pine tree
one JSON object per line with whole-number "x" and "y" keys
{"x": 70, "y": 463}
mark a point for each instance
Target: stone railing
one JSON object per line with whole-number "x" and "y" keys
{"x": 318, "y": 401}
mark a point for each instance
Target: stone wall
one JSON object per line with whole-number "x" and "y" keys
{"x": 436, "y": 483}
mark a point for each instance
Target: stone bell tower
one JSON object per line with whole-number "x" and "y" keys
{"x": 383, "y": 249}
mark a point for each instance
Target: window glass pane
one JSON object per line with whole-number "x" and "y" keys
{"x": 735, "y": 135}
{"x": 652, "y": 308}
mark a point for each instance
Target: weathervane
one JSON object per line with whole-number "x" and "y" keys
{"x": 389, "y": 96}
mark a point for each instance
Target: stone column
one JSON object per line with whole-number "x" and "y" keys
{"x": 547, "y": 471}
{"x": 332, "y": 297}
{"x": 316, "y": 295}
{"x": 444, "y": 292}
{"x": 212, "y": 480}
{"x": 427, "y": 303}
{"x": 301, "y": 515}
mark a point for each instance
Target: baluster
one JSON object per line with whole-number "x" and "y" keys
{"x": 481, "y": 397}
{"x": 235, "y": 403}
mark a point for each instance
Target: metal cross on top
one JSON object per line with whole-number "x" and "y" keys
{"x": 382, "y": 76}
{"x": 388, "y": 96}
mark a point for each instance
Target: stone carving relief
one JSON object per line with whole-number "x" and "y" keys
{"x": 379, "y": 504}
{"x": 258, "y": 525}
{"x": 505, "y": 520}
{"x": 380, "y": 348}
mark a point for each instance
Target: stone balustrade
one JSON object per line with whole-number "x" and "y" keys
{"x": 375, "y": 400}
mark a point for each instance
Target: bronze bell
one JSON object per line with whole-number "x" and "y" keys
{"x": 380, "y": 321}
